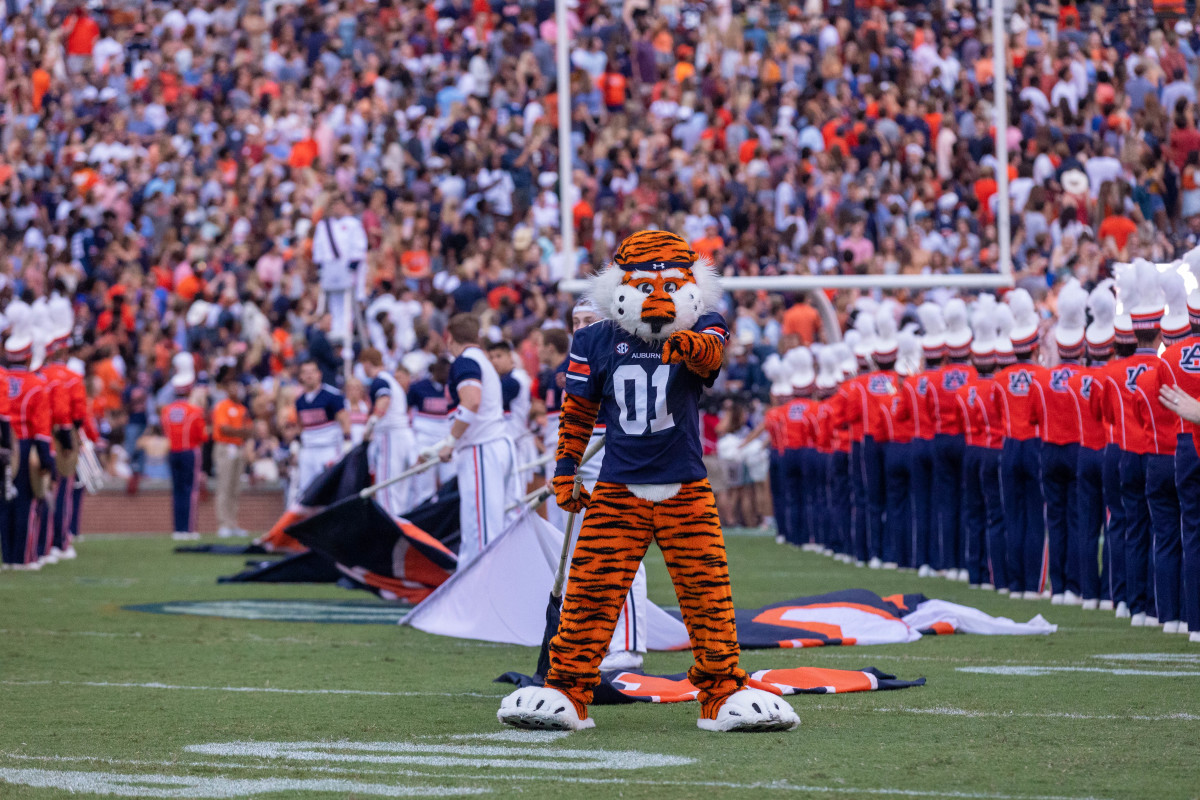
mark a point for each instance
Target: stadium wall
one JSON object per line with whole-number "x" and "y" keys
{"x": 147, "y": 513}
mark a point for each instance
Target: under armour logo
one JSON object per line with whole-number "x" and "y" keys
{"x": 1189, "y": 360}
{"x": 1019, "y": 382}
{"x": 659, "y": 265}
{"x": 1132, "y": 374}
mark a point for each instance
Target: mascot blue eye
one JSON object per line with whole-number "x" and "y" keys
{"x": 669, "y": 287}
{"x": 645, "y": 288}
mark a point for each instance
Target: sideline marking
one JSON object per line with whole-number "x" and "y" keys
{"x": 195, "y": 786}
{"x": 1035, "y": 671}
{"x": 329, "y": 611}
{"x": 1186, "y": 658}
{"x": 444, "y": 755}
{"x": 947, "y": 711}
{"x": 245, "y": 689}
{"x": 783, "y": 786}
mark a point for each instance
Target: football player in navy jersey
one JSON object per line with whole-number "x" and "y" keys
{"x": 478, "y": 440}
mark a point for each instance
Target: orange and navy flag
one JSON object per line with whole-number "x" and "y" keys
{"x": 620, "y": 686}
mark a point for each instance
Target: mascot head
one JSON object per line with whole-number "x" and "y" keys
{"x": 655, "y": 286}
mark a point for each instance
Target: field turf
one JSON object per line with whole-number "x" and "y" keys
{"x": 106, "y": 700}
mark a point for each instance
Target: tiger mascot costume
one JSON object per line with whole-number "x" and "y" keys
{"x": 643, "y": 369}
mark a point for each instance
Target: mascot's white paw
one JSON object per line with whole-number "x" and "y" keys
{"x": 752, "y": 710}
{"x": 541, "y": 708}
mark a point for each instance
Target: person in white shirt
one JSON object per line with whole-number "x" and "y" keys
{"x": 478, "y": 441}
{"x": 393, "y": 447}
{"x": 340, "y": 252}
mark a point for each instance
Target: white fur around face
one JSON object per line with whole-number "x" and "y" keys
{"x": 623, "y": 303}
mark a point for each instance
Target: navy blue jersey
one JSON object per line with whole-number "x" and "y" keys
{"x": 509, "y": 389}
{"x": 317, "y": 413}
{"x": 463, "y": 370}
{"x": 430, "y": 398}
{"x": 552, "y": 383}
{"x": 652, "y": 409}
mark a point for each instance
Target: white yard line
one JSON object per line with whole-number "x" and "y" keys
{"x": 946, "y": 711}
{"x": 778, "y": 786}
{"x": 244, "y": 689}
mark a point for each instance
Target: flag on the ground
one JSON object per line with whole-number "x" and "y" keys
{"x": 636, "y": 687}
{"x": 486, "y": 602}
{"x": 304, "y": 567}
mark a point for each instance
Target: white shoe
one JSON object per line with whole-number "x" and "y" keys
{"x": 69, "y": 554}
{"x": 987, "y": 587}
{"x": 924, "y": 571}
{"x": 1194, "y": 637}
{"x": 779, "y": 538}
{"x": 32, "y": 567}
{"x": 224, "y": 532}
{"x": 875, "y": 563}
{"x": 1106, "y": 605}
{"x": 963, "y": 576}
{"x": 49, "y": 558}
{"x": 57, "y": 553}
{"x": 180, "y": 536}
{"x": 752, "y": 710}
{"x": 1032, "y": 596}
{"x": 827, "y": 551}
{"x": 890, "y": 565}
{"x": 1071, "y": 599}
{"x": 1143, "y": 620}
{"x": 1174, "y": 626}
{"x": 1003, "y": 590}
{"x": 1090, "y": 605}
{"x": 1122, "y": 610}
{"x": 1057, "y": 600}
{"x": 541, "y": 708}
{"x": 860, "y": 564}
{"x": 621, "y": 659}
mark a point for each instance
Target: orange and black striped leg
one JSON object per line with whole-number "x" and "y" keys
{"x": 688, "y": 532}
{"x": 612, "y": 541}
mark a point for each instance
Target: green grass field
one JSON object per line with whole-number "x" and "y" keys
{"x": 109, "y": 701}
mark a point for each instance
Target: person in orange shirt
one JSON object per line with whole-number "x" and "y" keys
{"x": 183, "y": 424}
{"x": 709, "y": 245}
{"x": 111, "y": 385}
{"x": 802, "y": 320}
{"x": 231, "y": 427}
{"x": 1119, "y": 227}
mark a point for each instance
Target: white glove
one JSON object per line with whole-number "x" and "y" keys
{"x": 433, "y": 452}
{"x": 347, "y": 446}
{"x": 370, "y": 427}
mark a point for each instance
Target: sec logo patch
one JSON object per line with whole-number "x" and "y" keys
{"x": 622, "y": 348}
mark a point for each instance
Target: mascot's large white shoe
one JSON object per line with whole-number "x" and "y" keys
{"x": 752, "y": 711}
{"x": 540, "y": 708}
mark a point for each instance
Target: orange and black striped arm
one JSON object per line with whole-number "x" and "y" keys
{"x": 575, "y": 425}
{"x": 702, "y": 353}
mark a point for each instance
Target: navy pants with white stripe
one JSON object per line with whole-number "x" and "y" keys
{"x": 20, "y": 521}
{"x": 1089, "y": 504}
{"x": 947, "y": 492}
{"x": 1060, "y": 462}
{"x": 874, "y": 477}
{"x": 1187, "y": 483}
{"x": 839, "y": 490}
{"x": 184, "y": 489}
{"x": 1162, "y": 500}
{"x": 921, "y": 477}
{"x": 1114, "y": 535}
{"x": 1024, "y": 513}
{"x": 1139, "y": 585}
{"x": 898, "y": 531}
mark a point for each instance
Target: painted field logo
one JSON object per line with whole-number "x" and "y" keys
{"x": 345, "y": 612}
